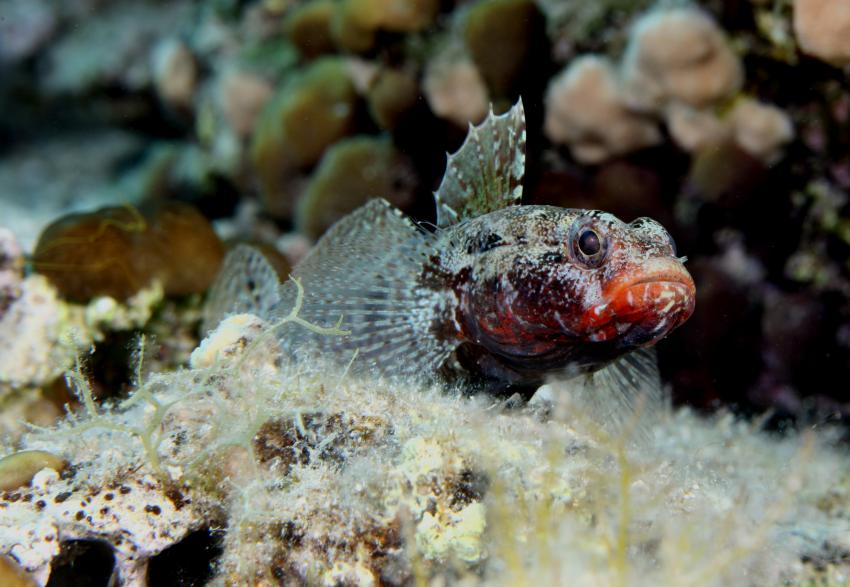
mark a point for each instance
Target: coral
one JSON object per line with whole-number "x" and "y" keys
{"x": 402, "y": 16}
{"x": 70, "y": 173}
{"x": 499, "y": 35}
{"x": 455, "y": 89}
{"x": 321, "y": 478}
{"x": 693, "y": 129}
{"x": 573, "y": 24}
{"x": 391, "y": 95}
{"x": 175, "y": 73}
{"x": 18, "y": 469}
{"x": 308, "y": 26}
{"x": 308, "y": 113}
{"x": 356, "y": 23}
{"x": 182, "y": 240}
{"x": 585, "y": 110}
{"x": 678, "y": 67}
{"x": 242, "y": 96}
{"x": 822, "y": 28}
{"x": 349, "y": 32}
{"x": 761, "y": 129}
{"x": 679, "y": 54}
{"x": 352, "y": 172}
{"x": 722, "y": 170}
{"x": 120, "y": 250}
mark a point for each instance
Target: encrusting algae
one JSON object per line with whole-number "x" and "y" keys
{"x": 325, "y": 479}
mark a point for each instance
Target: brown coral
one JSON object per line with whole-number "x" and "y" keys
{"x": 499, "y": 35}
{"x": 118, "y": 251}
{"x": 310, "y": 112}
{"x": 352, "y": 172}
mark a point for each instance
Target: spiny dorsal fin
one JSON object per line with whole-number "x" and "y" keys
{"x": 367, "y": 269}
{"x": 486, "y": 173}
{"x": 247, "y": 283}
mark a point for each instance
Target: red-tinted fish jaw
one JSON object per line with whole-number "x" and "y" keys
{"x": 643, "y": 304}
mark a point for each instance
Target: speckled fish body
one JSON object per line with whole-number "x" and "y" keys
{"x": 529, "y": 301}
{"x": 500, "y": 292}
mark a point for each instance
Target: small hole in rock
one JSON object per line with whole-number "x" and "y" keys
{"x": 189, "y": 563}
{"x": 82, "y": 563}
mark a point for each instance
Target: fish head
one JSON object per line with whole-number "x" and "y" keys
{"x": 554, "y": 286}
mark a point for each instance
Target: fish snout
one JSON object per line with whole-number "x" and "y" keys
{"x": 647, "y": 304}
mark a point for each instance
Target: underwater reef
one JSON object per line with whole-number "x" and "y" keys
{"x": 142, "y": 140}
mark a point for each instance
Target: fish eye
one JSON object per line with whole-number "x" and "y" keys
{"x": 589, "y": 246}
{"x": 589, "y": 243}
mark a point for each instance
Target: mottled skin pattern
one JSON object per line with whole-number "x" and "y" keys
{"x": 528, "y": 301}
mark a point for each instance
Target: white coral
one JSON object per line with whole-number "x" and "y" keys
{"x": 585, "y": 110}
{"x": 761, "y": 129}
{"x": 679, "y": 55}
{"x": 455, "y": 90}
{"x": 822, "y": 28}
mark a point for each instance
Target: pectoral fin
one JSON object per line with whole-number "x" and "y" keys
{"x": 622, "y": 399}
{"x": 247, "y": 283}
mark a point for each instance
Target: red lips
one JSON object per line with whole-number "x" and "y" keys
{"x": 644, "y": 304}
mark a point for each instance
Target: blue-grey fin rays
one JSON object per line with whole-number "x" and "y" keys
{"x": 486, "y": 173}
{"x": 367, "y": 269}
{"x": 247, "y": 283}
{"x": 623, "y": 397}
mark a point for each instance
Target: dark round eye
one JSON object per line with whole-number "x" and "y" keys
{"x": 589, "y": 246}
{"x": 589, "y": 243}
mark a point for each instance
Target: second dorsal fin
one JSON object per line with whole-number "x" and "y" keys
{"x": 486, "y": 173}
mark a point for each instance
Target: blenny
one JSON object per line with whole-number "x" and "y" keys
{"x": 497, "y": 292}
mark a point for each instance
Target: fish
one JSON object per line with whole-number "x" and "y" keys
{"x": 499, "y": 294}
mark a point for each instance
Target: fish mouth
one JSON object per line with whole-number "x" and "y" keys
{"x": 645, "y": 304}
